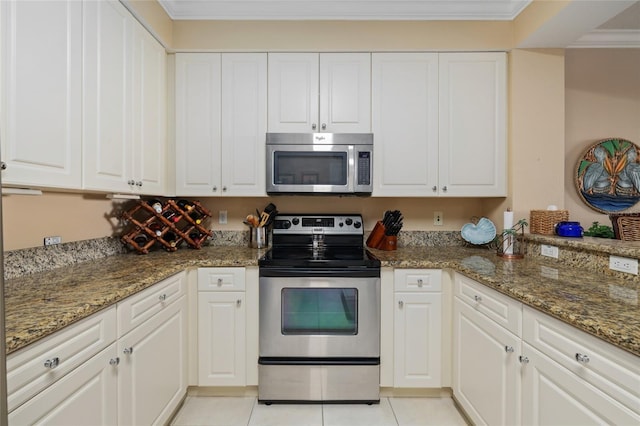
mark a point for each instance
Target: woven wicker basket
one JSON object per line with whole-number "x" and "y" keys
{"x": 626, "y": 226}
{"x": 544, "y": 221}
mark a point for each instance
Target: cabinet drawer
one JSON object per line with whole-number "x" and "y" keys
{"x": 221, "y": 279}
{"x": 610, "y": 369}
{"x": 500, "y": 308}
{"x": 138, "y": 308}
{"x": 26, "y": 371}
{"x": 417, "y": 280}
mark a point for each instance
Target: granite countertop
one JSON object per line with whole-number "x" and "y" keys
{"x": 39, "y": 304}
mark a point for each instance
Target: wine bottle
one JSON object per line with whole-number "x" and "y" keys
{"x": 196, "y": 236}
{"x": 171, "y": 238}
{"x": 171, "y": 216}
{"x": 156, "y": 228}
{"x": 185, "y": 205}
{"x": 197, "y": 217}
{"x": 141, "y": 239}
{"x": 156, "y": 205}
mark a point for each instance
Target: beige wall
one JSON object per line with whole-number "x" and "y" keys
{"x": 536, "y": 129}
{"x": 602, "y": 101}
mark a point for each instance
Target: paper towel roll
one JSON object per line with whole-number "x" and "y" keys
{"x": 507, "y": 245}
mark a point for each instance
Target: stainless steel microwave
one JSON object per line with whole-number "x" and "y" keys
{"x": 319, "y": 163}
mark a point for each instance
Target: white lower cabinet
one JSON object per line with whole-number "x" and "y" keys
{"x": 221, "y": 327}
{"x": 86, "y": 396}
{"x": 88, "y": 374}
{"x": 417, "y": 328}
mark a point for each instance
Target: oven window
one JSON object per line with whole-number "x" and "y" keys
{"x": 320, "y": 311}
{"x": 310, "y": 168}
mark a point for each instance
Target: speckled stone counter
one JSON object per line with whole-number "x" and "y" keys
{"x": 605, "y": 306}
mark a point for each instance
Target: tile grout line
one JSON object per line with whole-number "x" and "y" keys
{"x": 395, "y": 416}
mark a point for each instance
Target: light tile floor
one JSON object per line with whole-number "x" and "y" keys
{"x": 245, "y": 411}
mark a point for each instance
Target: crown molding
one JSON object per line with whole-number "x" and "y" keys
{"x": 611, "y": 39}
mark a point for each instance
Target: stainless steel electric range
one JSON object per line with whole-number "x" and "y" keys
{"x": 319, "y": 312}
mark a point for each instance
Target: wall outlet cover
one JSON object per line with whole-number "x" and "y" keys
{"x": 623, "y": 264}
{"x": 549, "y": 251}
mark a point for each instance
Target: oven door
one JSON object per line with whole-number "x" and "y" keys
{"x": 316, "y": 317}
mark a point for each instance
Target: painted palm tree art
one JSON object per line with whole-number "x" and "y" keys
{"x": 608, "y": 175}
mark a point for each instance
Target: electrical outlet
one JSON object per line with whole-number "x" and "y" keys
{"x": 438, "y": 218}
{"x": 49, "y": 241}
{"x": 549, "y": 251}
{"x": 222, "y": 217}
{"x": 623, "y": 264}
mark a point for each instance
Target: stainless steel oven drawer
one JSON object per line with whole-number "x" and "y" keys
{"x": 316, "y": 383}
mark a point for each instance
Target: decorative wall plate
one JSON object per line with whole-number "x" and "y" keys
{"x": 481, "y": 232}
{"x": 607, "y": 175}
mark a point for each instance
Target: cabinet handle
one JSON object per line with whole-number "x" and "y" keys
{"x": 215, "y": 188}
{"x": 477, "y": 298}
{"x": 238, "y": 302}
{"x": 400, "y": 304}
{"x": 523, "y": 359}
{"x": 508, "y": 349}
{"x": 313, "y": 126}
{"x": 224, "y": 189}
{"x": 420, "y": 282}
{"x": 127, "y": 351}
{"x": 162, "y": 297}
{"x": 434, "y": 188}
{"x": 114, "y": 361}
{"x": 3, "y": 165}
{"x": 52, "y": 363}
{"x": 582, "y": 358}
{"x": 219, "y": 282}
{"x": 444, "y": 188}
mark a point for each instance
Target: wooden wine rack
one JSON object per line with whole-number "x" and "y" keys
{"x": 142, "y": 216}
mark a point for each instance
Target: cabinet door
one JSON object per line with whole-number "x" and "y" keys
{"x": 418, "y": 336}
{"x": 152, "y": 375}
{"x": 244, "y": 123}
{"x": 198, "y": 97}
{"x": 85, "y": 396}
{"x": 486, "y": 372}
{"x": 554, "y": 395}
{"x": 107, "y": 121}
{"x": 41, "y": 93}
{"x": 405, "y": 123}
{"x": 149, "y": 112}
{"x": 472, "y": 124}
{"x": 293, "y": 93}
{"x": 221, "y": 339}
{"x": 345, "y": 92}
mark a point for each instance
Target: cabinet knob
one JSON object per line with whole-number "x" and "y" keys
{"x": 52, "y": 362}
{"x": 224, "y": 189}
{"x": 523, "y": 359}
{"x": 420, "y": 282}
{"x": 444, "y": 188}
{"x": 238, "y": 302}
{"x": 162, "y": 297}
{"x": 508, "y": 349}
{"x": 313, "y": 126}
{"x": 139, "y": 183}
{"x": 477, "y": 298}
{"x": 434, "y": 188}
{"x": 131, "y": 182}
{"x": 3, "y": 165}
{"x": 127, "y": 351}
{"x": 114, "y": 361}
{"x": 219, "y": 282}
{"x": 400, "y": 304}
{"x": 324, "y": 126}
{"x": 584, "y": 359}
{"x": 215, "y": 188}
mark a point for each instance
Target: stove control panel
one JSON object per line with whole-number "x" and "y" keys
{"x": 305, "y": 224}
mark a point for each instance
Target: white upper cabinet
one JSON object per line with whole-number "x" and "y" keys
{"x": 41, "y": 93}
{"x": 124, "y": 112}
{"x": 439, "y": 122}
{"x": 326, "y": 92}
{"x": 221, "y": 110}
{"x": 405, "y": 123}
{"x": 472, "y": 124}
{"x": 107, "y": 84}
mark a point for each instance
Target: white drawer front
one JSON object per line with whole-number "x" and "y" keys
{"x": 417, "y": 280}
{"x": 26, "y": 371}
{"x": 221, "y": 279}
{"x": 610, "y": 369}
{"x": 138, "y": 308}
{"x": 500, "y": 308}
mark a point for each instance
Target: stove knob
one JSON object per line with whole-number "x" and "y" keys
{"x": 341, "y": 224}
{"x": 349, "y": 221}
{"x": 357, "y": 224}
{"x": 295, "y": 221}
